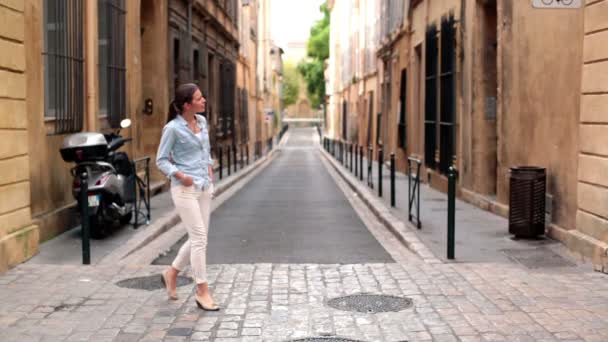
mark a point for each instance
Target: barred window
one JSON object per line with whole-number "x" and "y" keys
{"x": 370, "y": 118}
{"x": 402, "y": 110}
{"x": 430, "y": 106}
{"x": 112, "y": 63}
{"x": 447, "y": 133}
{"x": 63, "y": 56}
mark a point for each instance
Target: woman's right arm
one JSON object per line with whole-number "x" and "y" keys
{"x": 163, "y": 154}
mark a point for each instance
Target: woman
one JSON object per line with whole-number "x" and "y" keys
{"x": 184, "y": 155}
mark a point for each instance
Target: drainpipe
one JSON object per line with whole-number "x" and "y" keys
{"x": 91, "y": 31}
{"x": 189, "y": 44}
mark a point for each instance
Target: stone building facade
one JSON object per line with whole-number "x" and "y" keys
{"x": 18, "y": 232}
{"x": 490, "y": 85}
{"x": 82, "y": 65}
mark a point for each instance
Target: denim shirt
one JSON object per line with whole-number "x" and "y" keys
{"x": 182, "y": 150}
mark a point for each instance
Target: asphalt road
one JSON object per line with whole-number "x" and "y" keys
{"x": 292, "y": 212}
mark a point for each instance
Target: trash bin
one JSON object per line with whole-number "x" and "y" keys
{"x": 527, "y": 201}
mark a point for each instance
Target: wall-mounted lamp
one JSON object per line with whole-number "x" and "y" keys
{"x": 148, "y": 106}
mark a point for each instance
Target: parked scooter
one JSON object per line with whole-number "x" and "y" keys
{"x": 111, "y": 177}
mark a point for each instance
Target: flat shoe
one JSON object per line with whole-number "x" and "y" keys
{"x": 172, "y": 295}
{"x": 201, "y": 306}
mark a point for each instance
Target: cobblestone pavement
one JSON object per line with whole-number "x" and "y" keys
{"x": 280, "y": 302}
{"x": 277, "y": 302}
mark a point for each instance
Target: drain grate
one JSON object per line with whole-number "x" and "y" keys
{"x": 321, "y": 339}
{"x": 538, "y": 258}
{"x": 370, "y": 303}
{"x": 150, "y": 283}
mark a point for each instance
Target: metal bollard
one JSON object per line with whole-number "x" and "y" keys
{"x": 247, "y": 152}
{"x": 234, "y": 157}
{"x": 361, "y": 163}
{"x": 84, "y": 217}
{"x": 452, "y": 173}
{"x": 228, "y": 156}
{"x": 393, "y": 180}
{"x": 241, "y": 148}
{"x": 220, "y": 155}
{"x": 380, "y": 161}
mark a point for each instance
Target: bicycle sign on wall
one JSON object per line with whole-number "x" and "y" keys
{"x": 564, "y": 4}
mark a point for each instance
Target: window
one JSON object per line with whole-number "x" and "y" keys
{"x": 176, "y": 63}
{"x": 370, "y": 118}
{"x": 430, "y": 103}
{"x": 227, "y": 79}
{"x": 440, "y": 127}
{"x": 344, "y": 120}
{"x": 448, "y": 94}
{"x": 112, "y": 63}
{"x": 196, "y": 67}
{"x": 402, "y": 110}
{"x": 63, "y": 56}
{"x": 245, "y": 116}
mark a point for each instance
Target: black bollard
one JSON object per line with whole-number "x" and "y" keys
{"x": 361, "y": 163}
{"x": 380, "y": 161}
{"x": 84, "y": 217}
{"x": 247, "y": 152}
{"x": 234, "y": 157}
{"x": 241, "y": 148}
{"x": 228, "y": 157}
{"x": 452, "y": 173}
{"x": 393, "y": 180}
{"x": 220, "y": 155}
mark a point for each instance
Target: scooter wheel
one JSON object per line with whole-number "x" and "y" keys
{"x": 97, "y": 227}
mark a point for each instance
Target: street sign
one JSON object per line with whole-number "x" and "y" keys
{"x": 561, "y": 4}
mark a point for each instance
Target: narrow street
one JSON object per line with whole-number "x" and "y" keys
{"x": 293, "y": 212}
{"x": 280, "y": 249}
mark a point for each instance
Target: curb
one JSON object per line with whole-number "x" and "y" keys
{"x": 166, "y": 222}
{"x": 403, "y": 231}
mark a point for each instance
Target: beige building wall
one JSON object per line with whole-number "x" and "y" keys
{"x": 591, "y": 237}
{"x": 18, "y": 234}
{"x": 247, "y": 66}
{"x": 153, "y": 75}
{"x": 50, "y": 179}
{"x": 538, "y": 99}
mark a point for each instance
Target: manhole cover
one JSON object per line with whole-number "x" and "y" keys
{"x": 369, "y": 303}
{"x": 537, "y": 258}
{"x": 150, "y": 283}
{"x": 315, "y": 339}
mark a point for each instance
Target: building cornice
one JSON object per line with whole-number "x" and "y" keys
{"x": 217, "y": 17}
{"x": 387, "y": 44}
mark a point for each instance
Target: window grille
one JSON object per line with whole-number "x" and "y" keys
{"x": 112, "y": 61}
{"x": 402, "y": 109}
{"x": 448, "y": 94}
{"x": 370, "y": 118}
{"x": 344, "y": 120}
{"x": 430, "y": 116}
{"x": 63, "y": 56}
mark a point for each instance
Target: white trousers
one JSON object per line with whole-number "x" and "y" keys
{"x": 194, "y": 208}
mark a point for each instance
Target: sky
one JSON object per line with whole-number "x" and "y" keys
{"x": 291, "y": 20}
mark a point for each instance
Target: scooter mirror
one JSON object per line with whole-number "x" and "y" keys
{"x": 125, "y": 123}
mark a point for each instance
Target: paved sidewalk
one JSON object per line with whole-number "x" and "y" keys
{"x": 481, "y": 236}
{"x": 66, "y": 248}
{"x": 278, "y": 302}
